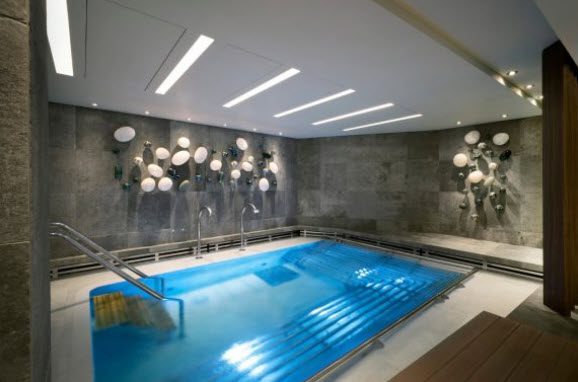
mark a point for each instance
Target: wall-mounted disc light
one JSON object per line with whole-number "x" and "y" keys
{"x": 263, "y": 184}
{"x": 472, "y": 137}
{"x": 184, "y": 142}
{"x": 155, "y": 170}
{"x": 165, "y": 184}
{"x": 460, "y": 160}
{"x": 148, "y": 185}
{"x": 500, "y": 139}
{"x": 185, "y": 186}
{"x": 234, "y": 163}
{"x": 180, "y": 157}
{"x": 201, "y": 154}
{"x": 162, "y": 153}
{"x": 235, "y": 174}
{"x": 273, "y": 167}
{"x": 215, "y": 165}
{"x": 242, "y": 144}
{"x": 476, "y": 176}
{"x": 124, "y": 134}
{"x": 137, "y": 161}
{"x": 247, "y": 166}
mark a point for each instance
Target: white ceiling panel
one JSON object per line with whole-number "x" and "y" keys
{"x": 337, "y": 44}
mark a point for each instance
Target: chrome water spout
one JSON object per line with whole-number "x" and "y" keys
{"x": 204, "y": 208}
{"x": 255, "y": 211}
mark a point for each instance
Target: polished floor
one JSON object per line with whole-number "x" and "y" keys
{"x": 496, "y": 293}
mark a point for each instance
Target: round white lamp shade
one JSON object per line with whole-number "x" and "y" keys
{"x": 155, "y": 170}
{"x": 263, "y": 184}
{"x": 215, "y": 165}
{"x": 201, "y": 154}
{"x": 185, "y": 185}
{"x": 137, "y": 161}
{"x": 124, "y": 134}
{"x": 500, "y": 139}
{"x": 183, "y": 142}
{"x": 489, "y": 181}
{"x": 476, "y": 176}
{"x": 148, "y": 185}
{"x": 493, "y": 165}
{"x": 242, "y": 144}
{"x": 162, "y": 153}
{"x": 460, "y": 160}
{"x": 472, "y": 137}
{"x": 247, "y": 166}
{"x": 165, "y": 184}
{"x": 235, "y": 174}
{"x": 180, "y": 157}
{"x": 274, "y": 167}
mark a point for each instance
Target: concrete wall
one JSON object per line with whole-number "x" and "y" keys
{"x": 407, "y": 183}
{"x": 24, "y": 285}
{"x": 84, "y": 193}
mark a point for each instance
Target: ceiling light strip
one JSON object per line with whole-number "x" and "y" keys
{"x": 264, "y": 86}
{"x": 315, "y": 103}
{"x": 354, "y": 113}
{"x": 58, "y": 30}
{"x": 384, "y": 122}
{"x": 195, "y": 51}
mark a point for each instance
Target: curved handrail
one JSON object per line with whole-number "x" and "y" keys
{"x": 97, "y": 247}
{"x": 111, "y": 267}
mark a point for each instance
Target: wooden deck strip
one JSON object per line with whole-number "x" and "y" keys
{"x": 565, "y": 369}
{"x": 491, "y": 348}
{"x": 538, "y": 363}
{"x": 430, "y": 362}
{"x": 476, "y": 353}
{"x": 508, "y": 356}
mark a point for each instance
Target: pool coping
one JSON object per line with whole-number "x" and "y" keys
{"x": 483, "y": 254}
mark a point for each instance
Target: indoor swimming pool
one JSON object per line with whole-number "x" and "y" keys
{"x": 285, "y": 315}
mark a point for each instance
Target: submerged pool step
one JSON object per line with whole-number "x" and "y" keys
{"x": 114, "y": 309}
{"x": 278, "y": 355}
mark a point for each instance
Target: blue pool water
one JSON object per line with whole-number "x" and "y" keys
{"x": 278, "y": 316}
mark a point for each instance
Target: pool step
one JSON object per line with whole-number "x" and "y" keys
{"x": 114, "y": 309}
{"x": 276, "y": 357}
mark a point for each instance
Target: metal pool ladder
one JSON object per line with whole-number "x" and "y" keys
{"x": 105, "y": 258}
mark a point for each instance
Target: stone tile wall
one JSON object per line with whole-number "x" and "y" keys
{"x": 407, "y": 183}
{"x": 24, "y": 272}
{"x": 84, "y": 193}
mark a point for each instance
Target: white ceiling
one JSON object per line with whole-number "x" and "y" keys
{"x": 124, "y": 49}
{"x": 561, "y": 14}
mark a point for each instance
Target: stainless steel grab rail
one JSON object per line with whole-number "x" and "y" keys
{"x": 110, "y": 266}
{"x": 81, "y": 238}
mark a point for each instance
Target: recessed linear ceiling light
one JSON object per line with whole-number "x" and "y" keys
{"x": 458, "y": 123}
{"x": 511, "y": 73}
{"x": 264, "y": 86}
{"x": 201, "y": 44}
{"x": 58, "y": 32}
{"x": 529, "y": 86}
{"x": 354, "y": 113}
{"x": 504, "y": 116}
{"x": 315, "y": 103}
{"x": 384, "y": 122}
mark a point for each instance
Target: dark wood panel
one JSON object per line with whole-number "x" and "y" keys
{"x": 430, "y": 362}
{"x": 560, "y": 178}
